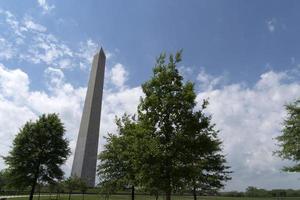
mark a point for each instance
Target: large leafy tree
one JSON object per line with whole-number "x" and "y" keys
{"x": 162, "y": 110}
{"x": 38, "y": 151}
{"x": 171, "y": 146}
{"x": 189, "y": 151}
{"x": 289, "y": 141}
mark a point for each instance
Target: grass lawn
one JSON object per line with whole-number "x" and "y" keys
{"x": 146, "y": 197}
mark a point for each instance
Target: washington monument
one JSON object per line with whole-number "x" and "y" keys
{"x": 85, "y": 158}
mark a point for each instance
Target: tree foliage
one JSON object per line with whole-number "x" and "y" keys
{"x": 75, "y": 183}
{"x": 120, "y": 159}
{"x": 289, "y": 141}
{"x": 3, "y": 180}
{"x": 70, "y": 184}
{"x": 38, "y": 151}
{"x": 171, "y": 146}
{"x": 82, "y": 186}
{"x": 189, "y": 149}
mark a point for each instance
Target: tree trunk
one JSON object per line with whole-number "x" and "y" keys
{"x": 39, "y": 192}
{"x": 168, "y": 195}
{"x": 36, "y": 176}
{"x": 169, "y": 188}
{"x": 195, "y": 193}
{"x": 132, "y": 192}
{"x": 70, "y": 195}
{"x": 32, "y": 189}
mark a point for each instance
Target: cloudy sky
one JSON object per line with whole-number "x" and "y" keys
{"x": 243, "y": 56}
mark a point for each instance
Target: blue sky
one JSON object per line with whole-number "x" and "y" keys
{"x": 242, "y": 55}
{"x": 234, "y": 38}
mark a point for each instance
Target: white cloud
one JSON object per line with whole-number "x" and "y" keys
{"x": 65, "y": 63}
{"x": 47, "y": 49}
{"x": 271, "y": 25}
{"x": 13, "y": 84}
{"x": 249, "y": 119}
{"x": 6, "y": 49}
{"x": 29, "y": 24}
{"x": 118, "y": 75}
{"x": 30, "y": 41}
{"x": 55, "y": 77}
{"x": 13, "y": 23}
{"x": 207, "y": 81}
{"x": 13, "y": 90}
{"x": 12, "y": 117}
{"x": 86, "y": 52}
{"x": 185, "y": 71}
{"x": 45, "y": 6}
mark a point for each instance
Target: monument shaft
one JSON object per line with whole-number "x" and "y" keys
{"x": 85, "y": 158}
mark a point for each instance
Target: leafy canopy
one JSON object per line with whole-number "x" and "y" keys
{"x": 289, "y": 141}
{"x": 171, "y": 145}
{"x": 38, "y": 151}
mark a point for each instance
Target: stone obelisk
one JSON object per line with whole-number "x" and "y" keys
{"x": 85, "y": 158}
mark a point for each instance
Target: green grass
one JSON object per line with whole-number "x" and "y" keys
{"x": 147, "y": 197}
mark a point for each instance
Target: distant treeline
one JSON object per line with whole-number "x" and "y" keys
{"x": 257, "y": 192}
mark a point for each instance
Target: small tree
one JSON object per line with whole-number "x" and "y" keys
{"x": 106, "y": 189}
{"x": 118, "y": 161}
{"x": 52, "y": 189}
{"x": 39, "y": 186}
{"x": 38, "y": 152}
{"x": 55, "y": 188}
{"x": 71, "y": 184}
{"x": 289, "y": 141}
{"x": 82, "y": 187}
{"x": 59, "y": 189}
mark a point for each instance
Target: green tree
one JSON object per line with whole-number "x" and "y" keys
{"x": 39, "y": 186}
{"x": 59, "y": 188}
{"x": 188, "y": 150}
{"x": 38, "y": 151}
{"x": 171, "y": 146}
{"x": 3, "y": 180}
{"x": 256, "y": 192}
{"x": 51, "y": 189}
{"x": 161, "y": 110}
{"x": 289, "y": 141}
{"x": 82, "y": 186}
{"x": 71, "y": 184}
{"x": 118, "y": 160}
{"x": 202, "y": 158}
{"x": 55, "y": 188}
